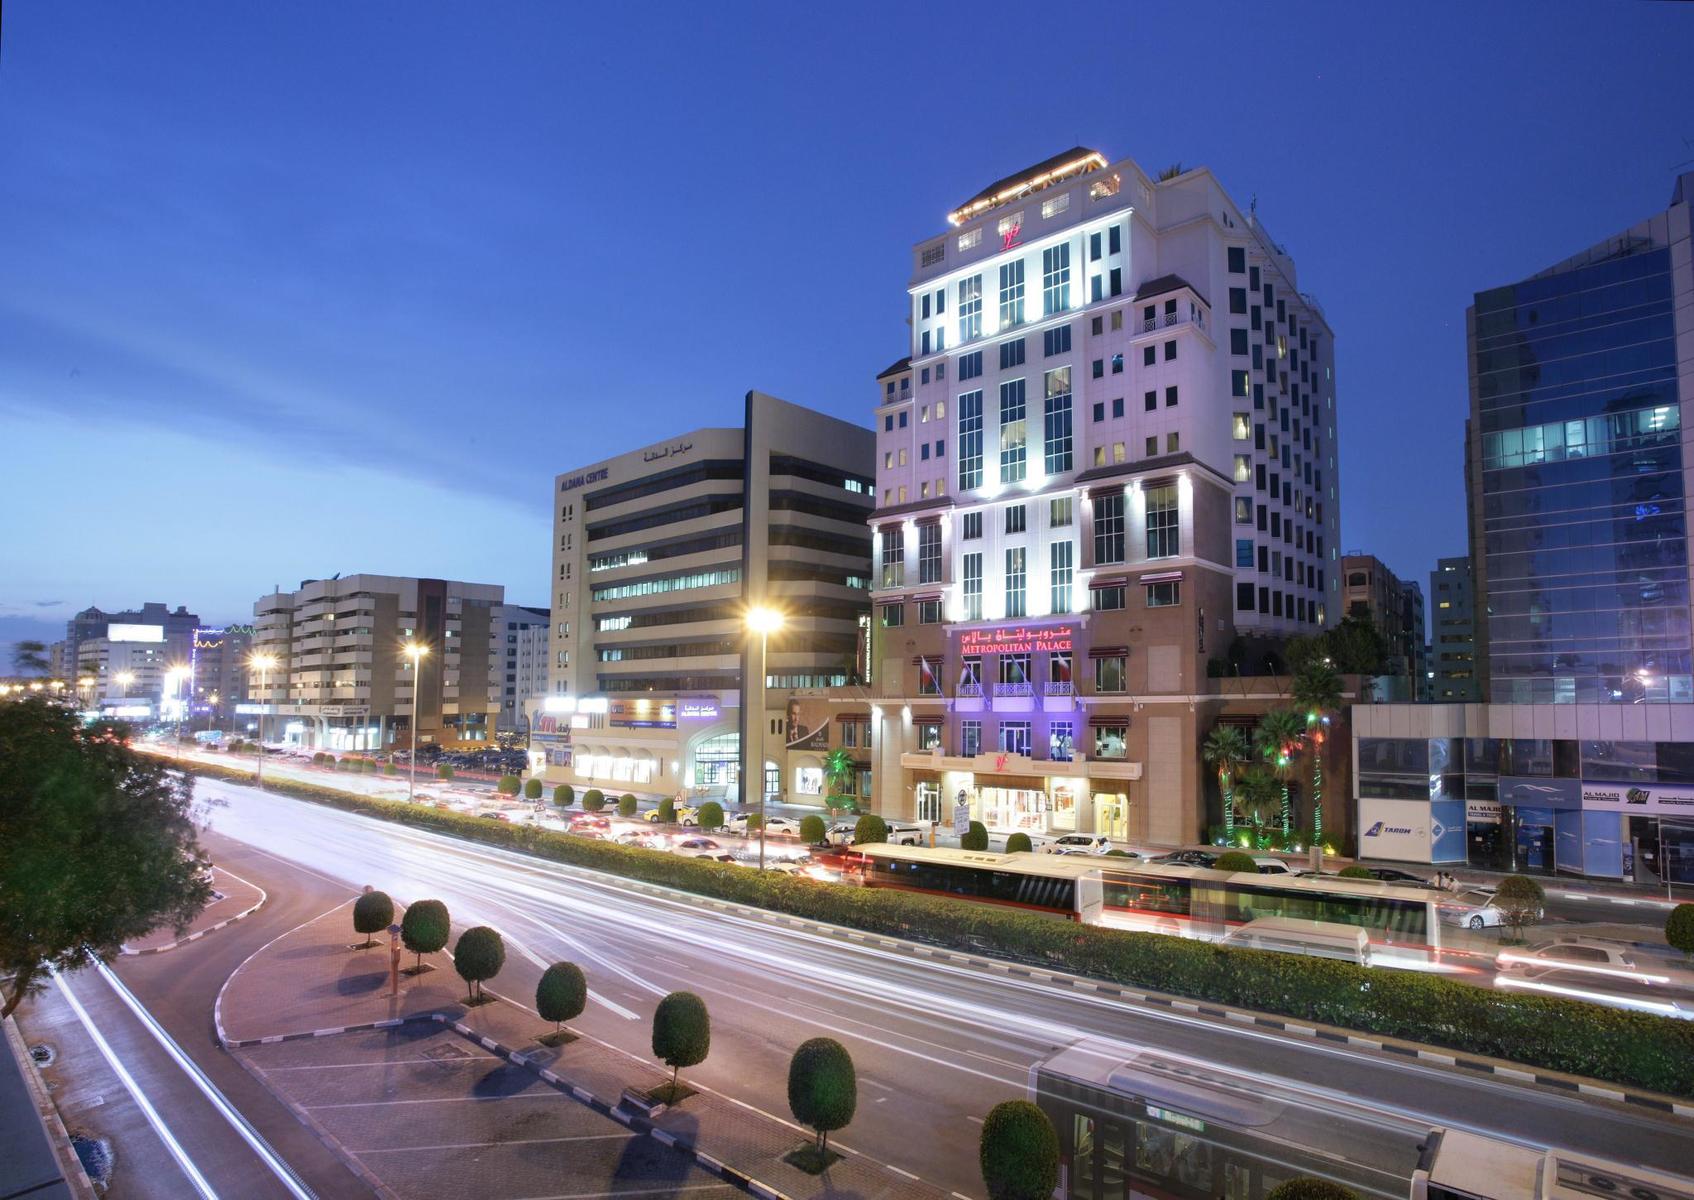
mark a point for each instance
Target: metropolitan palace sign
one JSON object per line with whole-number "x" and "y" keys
{"x": 1016, "y": 639}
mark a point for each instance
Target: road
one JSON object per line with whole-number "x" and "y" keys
{"x": 936, "y": 1044}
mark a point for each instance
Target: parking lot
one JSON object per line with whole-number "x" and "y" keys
{"x": 436, "y": 1117}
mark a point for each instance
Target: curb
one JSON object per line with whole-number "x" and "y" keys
{"x": 200, "y": 933}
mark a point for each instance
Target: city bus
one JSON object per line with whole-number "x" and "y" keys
{"x": 1198, "y": 902}
{"x": 1135, "y": 1122}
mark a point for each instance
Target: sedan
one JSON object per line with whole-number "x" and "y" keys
{"x": 592, "y": 824}
{"x": 774, "y": 826}
{"x": 1077, "y": 843}
{"x": 635, "y": 837}
{"x": 1188, "y": 858}
{"x": 1395, "y": 875}
{"x": 703, "y": 847}
{"x": 1475, "y": 909}
{"x": 1604, "y": 972}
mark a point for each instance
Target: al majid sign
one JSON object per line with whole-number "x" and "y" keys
{"x": 1017, "y": 639}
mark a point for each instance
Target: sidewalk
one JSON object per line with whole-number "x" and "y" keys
{"x": 308, "y": 986}
{"x": 1645, "y": 895}
{"x": 236, "y": 898}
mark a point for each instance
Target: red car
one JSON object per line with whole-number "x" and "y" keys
{"x": 589, "y": 824}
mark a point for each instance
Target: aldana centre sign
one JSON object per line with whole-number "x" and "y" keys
{"x": 1017, "y": 639}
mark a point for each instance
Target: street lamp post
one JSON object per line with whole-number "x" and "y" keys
{"x": 262, "y": 663}
{"x": 174, "y": 677}
{"x": 415, "y": 651}
{"x": 764, "y": 622}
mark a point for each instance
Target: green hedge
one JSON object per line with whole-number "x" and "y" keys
{"x": 1550, "y": 1032}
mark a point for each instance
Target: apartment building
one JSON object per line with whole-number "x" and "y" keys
{"x": 519, "y": 656}
{"x": 1110, "y": 453}
{"x": 217, "y": 679}
{"x": 1371, "y": 591}
{"x": 658, "y": 556}
{"x": 1452, "y": 597}
{"x": 344, "y": 681}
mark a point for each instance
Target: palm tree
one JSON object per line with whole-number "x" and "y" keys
{"x": 1260, "y": 793}
{"x": 1317, "y": 689}
{"x": 1278, "y": 739}
{"x": 1227, "y": 749}
{"x": 30, "y": 658}
{"x": 838, "y": 769}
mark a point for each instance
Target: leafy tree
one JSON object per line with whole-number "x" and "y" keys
{"x": 626, "y": 805}
{"x": 97, "y": 844}
{"x": 390, "y": 769}
{"x": 682, "y": 1032}
{"x": 562, "y": 994}
{"x": 425, "y": 928}
{"x": 1171, "y": 172}
{"x": 667, "y": 811}
{"x": 1260, "y": 794}
{"x": 838, "y": 769}
{"x": 1278, "y": 739}
{"x": 1679, "y": 928}
{"x": 444, "y": 771}
{"x": 478, "y": 956}
{"x": 1302, "y": 650}
{"x": 532, "y": 789}
{"x": 1018, "y": 843}
{"x": 1235, "y": 860}
{"x": 1355, "y": 872}
{"x": 1357, "y": 647}
{"x": 823, "y": 1090}
{"x": 1306, "y": 1187}
{"x": 812, "y": 829}
{"x": 1520, "y": 901}
{"x": 869, "y": 829}
{"x": 593, "y": 800}
{"x": 1019, "y": 1152}
{"x": 711, "y": 815}
{"x": 975, "y": 838}
{"x": 563, "y": 795}
{"x": 372, "y": 913}
{"x": 508, "y": 785}
{"x": 30, "y": 658}
{"x": 755, "y": 822}
{"x": 1317, "y": 690}
{"x": 1227, "y": 750}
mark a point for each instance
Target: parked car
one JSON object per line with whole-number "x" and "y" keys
{"x": 686, "y": 814}
{"x": 841, "y": 833}
{"x": 1474, "y": 909}
{"x": 775, "y": 826}
{"x": 1395, "y": 875}
{"x": 1269, "y": 864}
{"x": 1188, "y": 858}
{"x": 703, "y": 847}
{"x": 902, "y": 833}
{"x": 1077, "y": 843}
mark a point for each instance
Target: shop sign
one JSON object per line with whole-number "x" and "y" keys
{"x": 1394, "y": 829}
{"x": 697, "y": 709}
{"x": 1638, "y": 798}
{"x": 642, "y": 714}
{"x": 962, "y": 815}
{"x": 1018, "y": 639}
{"x": 344, "y": 710}
{"x": 551, "y": 728}
{"x": 1541, "y": 792}
{"x": 1481, "y": 812}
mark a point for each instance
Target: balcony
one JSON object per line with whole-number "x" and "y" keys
{"x": 994, "y": 762}
{"x": 1014, "y": 697}
{"x": 969, "y": 697}
{"x": 1058, "y": 695}
{"x": 1164, "y": 321}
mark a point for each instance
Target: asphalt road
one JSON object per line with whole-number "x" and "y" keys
{"x": 936, "y": 1044}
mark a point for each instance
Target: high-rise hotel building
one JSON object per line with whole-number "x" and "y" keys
{"x": 1110, "y": 453}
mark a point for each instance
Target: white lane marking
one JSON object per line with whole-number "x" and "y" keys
{"x": 598, "y": 997}
{"x": 581, "y": 1137}
{"x": 900, "y": 1171}
{"x": 392, "y": 1062}
{"x": 134, "y": 1089}
{"x": 543, "y": 1094}
{"x": 283, "y": 1172}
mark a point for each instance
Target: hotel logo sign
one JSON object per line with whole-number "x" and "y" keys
{"x": 1020, "y": 639}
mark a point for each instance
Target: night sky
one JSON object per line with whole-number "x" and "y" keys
{"x": 295, "y": 289}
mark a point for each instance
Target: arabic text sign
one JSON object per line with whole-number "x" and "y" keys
{"x": 1018, "y": 639}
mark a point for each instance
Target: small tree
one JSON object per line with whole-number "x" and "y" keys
{"x": 975, "y": 838}
{"x": 667, "y": 811}
{"x": 372, "y": 913}
{"x": 1018, "y": 843}
{"x": 1679, "y": 928}
{"x": 711, "y": 815}
{"x": 593, "y": 800}
{"x": 532, "y": 789}
{"x": 1305, "y": 1187}
{"x": 444, "y": 771}
{"x": 682, "y": 1033}
{"x": 823, "y": 1090}
{"x": 1019, "y": 1152}
{"x": 390, "y": 769}
{"x": 425, "y": 929}
{"x": 1234, "y": 860}
{"x": 755, "y": 822}
{"x": 812, "y": 829}
{"x": 508, "y": 785}
{"x": 561, "y": 995}
{"x": 1520, "y": 901}
{"x": 626, "y": 805}
{"x": 1355, "y": 872}
{"x": 563, "y": 795}
{"x": 478, "y": 956}
{"x": 869, "y": 829}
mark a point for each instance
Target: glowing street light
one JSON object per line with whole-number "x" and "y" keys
{"x": 764, "y": 622}
{"x": 264, "y": 664}
{"x": 124, "y": 679}
{"x": 416, "y": 651}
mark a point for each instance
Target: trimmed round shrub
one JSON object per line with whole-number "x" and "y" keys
{"x": 1119, "y": 854}
{"x": 562, "y": 993}
{"x": 1018, "y": 843}
{"x": 593, "y": 800}
{"x": 1355, "y": 873}
{"x": 682, "y": 1032}
{"x": 812, "y": 829}
{"x": 318, "y": 759}
{"x": 1305, "y": 1187}
{"x": 372, "y": 913}
{"x": 1019, "y": 1152}
{"x": 823, "y": 1089}
{"x": 755, "y": 821}
{"x": 1679, "y": 928}
{"x": 1234, "y": 860}
{"x": 425, "y": 928}
{"x": 444, "y": 771}
{"x": 869, "y": 829}
{"x": 478, "y": 956}
{"x": 563, "y": 795}
{"x": 532, "y": 789}
{"x": 711, "y": 815}
{"x": 667, "y": 811}
{"x": 508, "y": 785}
{"x": 626, "y": 805}
{"x": 975, "y": 838}
{"x": 390, "y": 769}
{"x": 1520, "y": 900}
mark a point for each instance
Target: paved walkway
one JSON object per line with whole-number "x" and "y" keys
{"x": 236, "y": 898}
{"x": 311, "y": 984}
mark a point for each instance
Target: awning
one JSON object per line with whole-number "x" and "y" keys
{"x": 1110, "y": 581}
{"x": 920, "y": 660}
{"x": 1096, "y": 722}
{"x": 922, "y": 596}
{"x": 851, "y": 718}
{"x": 1108, "y": 651}
{"x": 1161, "y": 577}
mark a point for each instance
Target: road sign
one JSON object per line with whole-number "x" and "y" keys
{"x": 962, "y": 817}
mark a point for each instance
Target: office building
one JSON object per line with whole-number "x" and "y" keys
{"x": 177, "y": 628}
{"x": 1110, "y": 453}
{"x": 521, "y": 637}
{"x": 131, "y": 669}
{"x": 1453, "y": 647}
{"x": 344, "y": 681}
{"x": 217, "y": 680}
{"x": 658, "y": 555}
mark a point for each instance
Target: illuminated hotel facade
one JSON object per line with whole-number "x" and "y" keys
{"x": 1110, "y": 453}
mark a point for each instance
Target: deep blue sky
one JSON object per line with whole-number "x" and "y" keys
{"x": 293, "y": 289}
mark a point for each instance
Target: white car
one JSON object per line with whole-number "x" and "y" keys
{"x": 841, "y": 833}
{"x": 702, "y": 847}
{"x": 774, "y": 826}
{"x": 1604, "y": 972}
{"x": 1077, "y": 843}
{"x": 1269, "y": 864}
{"x": 1475, "y": 909}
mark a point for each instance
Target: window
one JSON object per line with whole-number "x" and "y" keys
{"x": 970, "y": 239}
{"x": 929, "y": 552}
{"x": 1059, "y": 512}
{"x": 972, "y": 526}
{"x": 1173, "y": 442}
{"x": 1011, "y": 354}
{"x": 1099, "y": 411}
{"x": 929, "y": 612}
{"x": 1107, "y": 599}
{"x": 1244, "y": 552}
{"x": 1238, "y": 341}
{"x": 1163, "y": 535}
{"x": 1056, "y": 278}
{"x": 1114, "y": 239}
{"x": 1170, "y": 396}
{"x": 1093, "y": 247}
{"x": 1237, "y": 300}
{"x": 1117, "y": 407}
{"x": 1244, "y": 597}
{"x": 973, "y": 587}
{"x": 1115, "y": 288}
{"x": 970, "y": 738}
{"x": 1111, "y": 741}
{"x": 1011, "y": 294}
{"x": 1016, "y": 518}
{"x": 1108, "y": 528}
{"x": 934, "y": 254}
{"x": 1055, "y": 206}
{"x": 970, "y": 310}
{"x": 1237, "y": 260}
{"x": 893, "y": 556}
{"x": 1117, "y": 364}
{"x": 1014, "y": 738}
{"x": 1015, "y": 598}
{"x": 929, "y": 732}
{"x": 970, "y": 440}
{"x": 1013, "y": 464}
{"x": 970, "y": 365}
{"x": 1241, "y": 427}
{"x": 1059, "y": 741}
{"x": 1056, "y": 341}
{"x": 1238, "y": 383}
{"x": 1149, "y": 355}
{"x": 1099, "y": 368}
{"x": 1059, "y": 562}
{"x": 1152, "y": 445}
{"x": 903, "y": 419}
{"x": 1243, "y": 468}
{"x": 1057, "y": 421}
{"x": 923, "y": 452}
{"x": 1164, "y": 594}
{"x": 1109, "y": 673}
{"x": 1150, "y": 401}
{"x": 1170, "y": 350}
{"x": 941, "y": 448}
